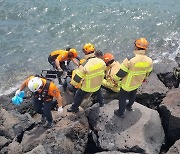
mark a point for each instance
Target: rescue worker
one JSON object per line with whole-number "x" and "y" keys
{"x": 133, "y": 71}
{"x": 44, "y": 91}
{"x": 112, "y": 67}
{"x": 70, "y": 72}
{"x": 99, "y": 54}
{"x": 57, "y": 58}
{"x": 88, "y": 78}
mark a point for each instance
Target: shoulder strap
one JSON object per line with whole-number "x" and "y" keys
{"x": 44, "y": 92}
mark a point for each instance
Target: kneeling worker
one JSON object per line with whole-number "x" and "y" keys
{"x": 44, "y": 91}
{"x": 89, "y": 75}
{"x": 111, "y": 69}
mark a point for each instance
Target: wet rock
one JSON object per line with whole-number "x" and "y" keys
{"x": 140, "y": 131}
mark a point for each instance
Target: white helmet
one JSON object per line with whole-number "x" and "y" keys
{"x": 34, "y": 84}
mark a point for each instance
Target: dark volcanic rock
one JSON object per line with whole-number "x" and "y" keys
{"x": 140, "y": 131}
{"x": 68, "y": 135}
{"x": 25, "y": 107}
{"x": 170, "y": 113}
{"x": 151, "y": 92}
{"x": 12, "y": 124}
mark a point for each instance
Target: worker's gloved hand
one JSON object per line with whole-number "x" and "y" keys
{"x": 17, "y": 92}
{"x": 60, "y": 109}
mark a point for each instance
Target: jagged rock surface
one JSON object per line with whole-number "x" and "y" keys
{"x": 140, "y": 131}
{"x": 68, "y": 135}
{"x": 175, "y": 149}
{"x": 170, "y": 112}
{"x": 12, "y": 124}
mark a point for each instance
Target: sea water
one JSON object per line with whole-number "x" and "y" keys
{"x": 31, "y": 29}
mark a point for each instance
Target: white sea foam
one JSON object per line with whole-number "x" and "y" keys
{"x": 31, "y": 30}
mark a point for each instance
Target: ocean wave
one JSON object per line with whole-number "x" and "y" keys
{"x": 30, "y": 30}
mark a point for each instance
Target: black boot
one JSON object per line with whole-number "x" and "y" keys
{"x": 72, "y": 109}
{"x": 117, "y": 113}
{"x": 43, "y": 120}
{"x": 129, "y": 108}
{"x": 101, "y": 104}
{"x": 48, "y": 125}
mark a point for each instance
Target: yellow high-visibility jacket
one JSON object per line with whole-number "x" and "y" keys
{"x": 136, "y": 69}
{"x": 75, "y": 85}
{"x": 109, "y": 81}
{"x": 90, "y": 74}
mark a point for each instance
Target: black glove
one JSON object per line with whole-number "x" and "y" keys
{"x": 59, "y": 74}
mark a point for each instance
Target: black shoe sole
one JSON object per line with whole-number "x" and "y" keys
{"x": 119, "y": 115}
{"x": 75, "y": 111}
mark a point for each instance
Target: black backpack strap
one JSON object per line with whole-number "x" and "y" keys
{"x": 44, "y": 93}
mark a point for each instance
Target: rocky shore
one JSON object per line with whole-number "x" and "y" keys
{"x": 153, "y": 127}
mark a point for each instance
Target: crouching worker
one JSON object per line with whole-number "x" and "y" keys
{"x": 109, "y": 83}
{"x": 89, "y": 75}
{"x": 44, "y": 91}
{"x": 59, "y": 58}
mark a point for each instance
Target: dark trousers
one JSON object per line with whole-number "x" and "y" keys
{"x": 43, "y": 108}
{"x": 80, "y": 94}
{"x": 52, "y": 62}
{"x": 68, "y": 85}
{"x": 123, "y": 96}
{"x": 176, "y": 83}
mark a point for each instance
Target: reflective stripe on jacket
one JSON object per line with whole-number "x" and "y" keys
{"x": 78, "y": 85}
{"x": 109, "y": 81}
{"x": 137, "y": 68}
{"x": 90, "y": 74}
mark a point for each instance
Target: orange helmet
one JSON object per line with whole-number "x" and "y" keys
{"x": 74, "y": 52}
{"x": 108, "y": 57}
{"x": 88, "y": 47}
{"x": 141, "y": 43}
